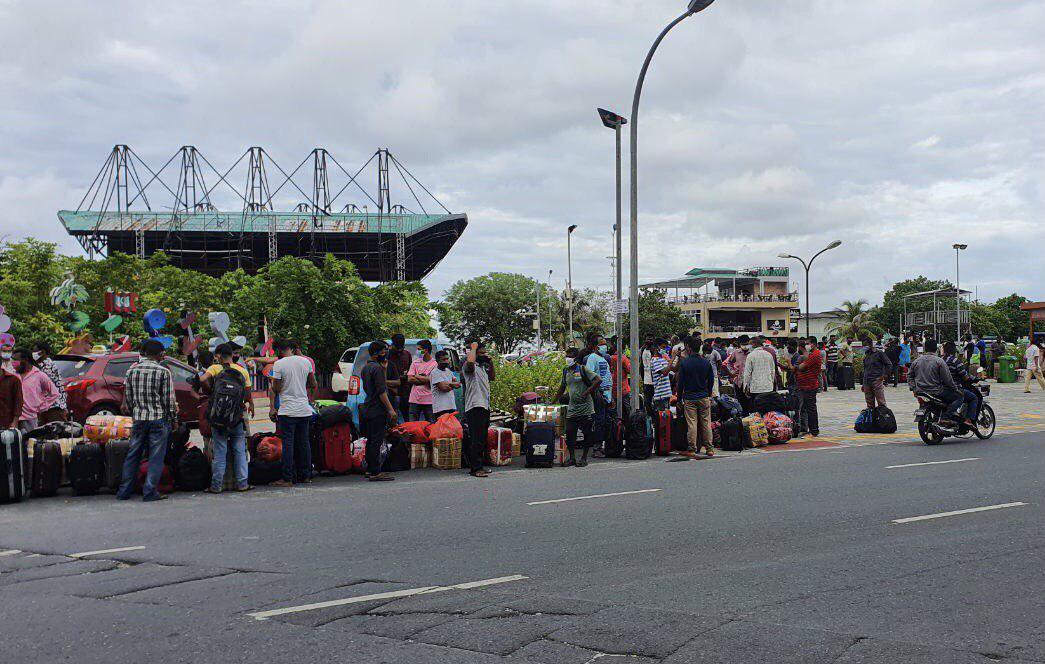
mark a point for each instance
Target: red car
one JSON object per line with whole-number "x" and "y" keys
{"x": 94, "y": 384}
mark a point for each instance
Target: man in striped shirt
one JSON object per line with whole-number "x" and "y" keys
{"x": 832, "y": 360}
{"x": 149, "y": 398}
{"x": 661, "y": 381}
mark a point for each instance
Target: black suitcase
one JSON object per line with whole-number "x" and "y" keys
{"x": 679, "y": 431}
{"x": 770, "y": 402}
{"x": 614, "y": 445}
{"x": 47, "y": 469}
{"x": 115, "y": 453}
{"x": 732, "y": 433}
{"x": 260, "y": 473}
{"x": 639, "y": 436}
{"x": 846, "y": 380}
{"x": 12, "y": 466}
{"x": 86, "y": 468}
{"x": 539, "y": 444}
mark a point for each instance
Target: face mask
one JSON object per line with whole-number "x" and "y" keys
{"x": 603, "y": 348}
{"x": 747, "y": 346}
{"x": 381, "y": 357}
{"x": 5, "y": 355}
{"x": 443, "y": 366}
{"x": 37, "y": 355}
{"x": 235, "y": 358}
{"x": 570, "y": 361}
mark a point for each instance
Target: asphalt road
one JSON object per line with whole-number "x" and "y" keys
{"x": 789, "y": 557}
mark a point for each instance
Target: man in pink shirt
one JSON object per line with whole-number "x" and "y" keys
{"x": 39, "y": 393}
{"x": 418, "y": 377}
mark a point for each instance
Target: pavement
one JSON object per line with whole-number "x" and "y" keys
{"x": 846, "y": 550}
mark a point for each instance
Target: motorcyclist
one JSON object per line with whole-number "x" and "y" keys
{"x": 930, "y": 375}
{"x": 964, "y": 380}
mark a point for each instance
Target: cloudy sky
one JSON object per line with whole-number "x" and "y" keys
{"x": 897, "y": 126}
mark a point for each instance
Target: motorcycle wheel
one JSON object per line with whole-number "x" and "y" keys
{"x": 985, "y": 422}
{"x": 928, "y": 434}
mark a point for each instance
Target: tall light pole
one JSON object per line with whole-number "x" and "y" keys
{"x": 958, "y": 249}
{"x": 807, "y": 266}
{"x": 569, "y": 277}
{"x": 538, "y": 284}
{"x": 613, "y": 121}
{"x": 692, "y": 8}
{"x": 550, "y": 308}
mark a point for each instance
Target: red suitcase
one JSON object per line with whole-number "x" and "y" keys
{"x": 337, "y": 448}
{"x": 663, "y": 433}
{"x": 499, "y": 446}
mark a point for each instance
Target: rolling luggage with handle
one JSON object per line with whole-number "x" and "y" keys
{"x": 732, "y": 435}
{"x": 499, "y": 446}
{"x": 639, "y": 437}
{"x": 115, "y": 453}
{"x": 47, "y": 469}
{"x": 539, "y": 443}
{"x": 679, "y": 432}
{"x": 86, "y": 468}
{"x": 12, "y": 466}
{"x": 663, "y": 432}
{"x": 337, "y": 448}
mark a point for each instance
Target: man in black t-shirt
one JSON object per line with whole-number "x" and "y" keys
{"x": 377, "y": 410}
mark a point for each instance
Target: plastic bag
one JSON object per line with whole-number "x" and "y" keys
{"x": 447, "y": 426}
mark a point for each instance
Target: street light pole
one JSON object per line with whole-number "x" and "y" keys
{"x": 538, "y": 284}
{"x": 569, "y": 277}
{"x": 615, "y": 122}
{"x": 958, "y": 248}
{"x": 550, "y": 308}
{"x": 808, "y": 266}
{"x": 633, "y": 291}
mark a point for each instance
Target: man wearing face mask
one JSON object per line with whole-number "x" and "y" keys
{"x": 443, "y": 384}
{"x": 10, "y": 399}
{"x": 584, "y": 389}
{"x": 6, "y": 351}
{"x": 597, "y": 363}
{"x": 478, "y": 374}
{"x": 38, "y": 392}
{"x": 377, "y": 411}
{"x": 42, "y": 358}
{"x": 419, "y": 377}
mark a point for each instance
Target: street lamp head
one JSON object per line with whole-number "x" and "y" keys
{"x": 835, "y": 244}
{"x": 696, "y": 6}
{"x": 571, "y": 229}
{"x": 611, "y": 119}
{"x": 961, "y": 246}
{"x": 784, "y": 256}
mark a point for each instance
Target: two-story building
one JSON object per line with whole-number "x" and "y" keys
{"x": 726, "y": 303}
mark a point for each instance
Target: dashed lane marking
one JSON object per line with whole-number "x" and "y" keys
{"x": 396, "y": 594}
{"x": 943, "y": 515}
{"x": 599, "y": 495}
{"x": 931, "y": 463}
{"x": 85, "y": 554}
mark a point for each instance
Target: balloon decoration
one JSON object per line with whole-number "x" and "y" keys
{"x": 117, "y": 303}
{"x": 189, "y": 341}
{"x": 112, "y": 322}
{"x": 6, "y": 338}
{"x": 155, "y": 320}
{"x": 66, "y": 296}
{"x": 219, "y": 325}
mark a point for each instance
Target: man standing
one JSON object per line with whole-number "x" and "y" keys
{"x": 1035, "y": 365}
{"x": 295, "y": 383}
{"x": 230, "y": 396}
{"x": 443, "y": 384}
{"x": 583, "y": 387}
{"x": 845, "y": 364}
{"x": 626, "y": 366}
{"x": 399, "y": 359}
{"x": 377, "y": 410}
{"x": 876, "y": 367}
{"x": 929, "y": 374}
{"x": 42, "y": 358}
{"x": 39, "y": 394}
{"x": 759, "y": 372}
{"x": 811, "y": 363}
{"x": 734, "y": 364}
{"x": 419, "y": 377}
{"x": 648, "y": 351}
{"x": 6, "y": 353}
{"x": 661, "y": 370}
{"x": 695, "y": 384}
{"x": 597, "y": 363}
{"x": 149, "y": 398}
{"x": 10, "y": 399}
{"x": 892, "y": 351}
{"x": 998, "y": 349}
{"x": 832, "y": 361}
{"x": 478, "y": 372}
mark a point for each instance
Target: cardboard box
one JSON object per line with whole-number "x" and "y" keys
{"x": 446, "y": 454}
{"x": 420, "y": 456}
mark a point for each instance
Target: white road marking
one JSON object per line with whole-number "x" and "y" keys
{"x": 10, "y": 552}
{"x": 941, "y": 515}
{"x": 395, "y": 594}
{"x": 931, "y": 463}
{"x": 601, "y": 495}
{"x": 84, "y": 554}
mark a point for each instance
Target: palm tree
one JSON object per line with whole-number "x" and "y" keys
{"x": 855, "y": 321}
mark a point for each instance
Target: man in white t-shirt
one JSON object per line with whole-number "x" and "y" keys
{"x": 1035, "y": 365}
{"x": 294, "y": 383}
{"x": 443, "y": 383}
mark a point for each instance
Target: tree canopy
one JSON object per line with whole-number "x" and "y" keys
{"x": 658, "y": 317}
{"x": 497, "y": 307}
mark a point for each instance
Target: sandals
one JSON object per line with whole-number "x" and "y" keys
{"x": 479, "y": 473}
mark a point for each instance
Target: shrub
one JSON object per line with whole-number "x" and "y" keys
{"x": 513, "y": 379}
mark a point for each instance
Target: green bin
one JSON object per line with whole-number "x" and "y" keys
{"x": 1006, "y": 369}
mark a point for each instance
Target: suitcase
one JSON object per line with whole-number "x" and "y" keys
{"x": 663, "y": 432}
{"x": 47, "y": 469}
{"x": 539, "y": 441}
{"x": 562, "y": 451}
{"x": 770, "y": 402}
{"x": 846, "y": 379}
{"x": 613, "y": 448}
{"x": 499, "y": 446}
{"x": 12, "y": 466}
{"x": 638, "y": 443}
{"x": 86, "y": 468}
{"x": 679, "y": 437}
{"x": 732, "y": 434}
{"x": 260, "y": 473}
{"x": 115, "y": 453}
{"x": 337, "y": 448}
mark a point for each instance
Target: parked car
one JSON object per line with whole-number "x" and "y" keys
{"x": 94, "y": 384}
{"x": 354, "y": 359}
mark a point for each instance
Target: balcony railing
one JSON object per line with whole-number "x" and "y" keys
{"x": 735, "y": 328}
{"x": 698, "y": 298}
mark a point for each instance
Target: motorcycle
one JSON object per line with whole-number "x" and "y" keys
{"x": 930, "y": 412}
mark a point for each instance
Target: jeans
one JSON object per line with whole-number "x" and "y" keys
{"x": 297, "y": 452}
{"x": 402, "y": 406}
{"x": 972, "y": 404}
{"x": 473, "y": 450}
{"x": 156, "y": 434}
{"x": 808, "y": 417}
{"x": 955, "y": 399}
{"x": 698, "y": 425}
{"x": 373, "y": 429}
{"x": 585, "y": 424}
{"x": 221, "y": 439}
{"x": 600, "y": 422}
{"x": 421, "y": 411}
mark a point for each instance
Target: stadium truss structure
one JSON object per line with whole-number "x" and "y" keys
{"x": 386, "y": 241}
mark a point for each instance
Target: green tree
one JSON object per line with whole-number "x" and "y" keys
{"x": 1016, "y": 323}
{"x": 404, "y": 308}
{"x": 28, "y": 272}
{"x": 498, "y": 306}
{"x": 660, "y": 318}
{"x": 986, "y": 320}
{"x": 855, "y": 321}
{"x": 888, "y": 315}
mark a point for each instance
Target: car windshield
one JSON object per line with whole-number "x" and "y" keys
{"x": 73, "y": 367}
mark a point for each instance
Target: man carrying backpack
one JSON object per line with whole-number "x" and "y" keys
{"x": 229, "y": 398}
{"x": 582, "y": 385}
